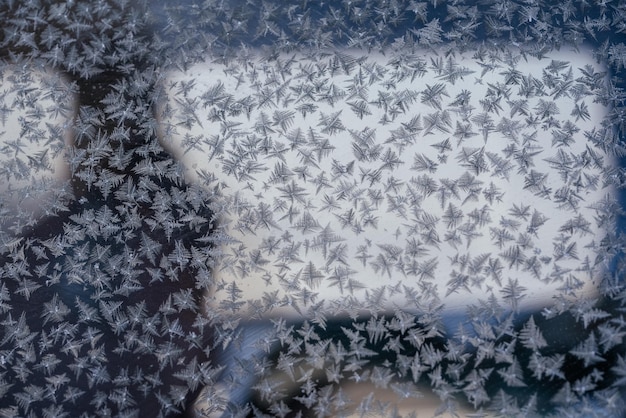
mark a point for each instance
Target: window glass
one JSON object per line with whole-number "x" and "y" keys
{"x": 340, "y": 208}
{"x": 455, "y": 175}
{"x": 35, "y": 112}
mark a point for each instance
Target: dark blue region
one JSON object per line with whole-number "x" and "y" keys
{"x": 111, "y": 359}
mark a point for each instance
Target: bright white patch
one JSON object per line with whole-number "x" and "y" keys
{"x": 373, "y": 182}
{"x": 35, "y": 109}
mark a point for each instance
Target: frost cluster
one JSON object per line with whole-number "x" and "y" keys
{"x": 367, "y": 146}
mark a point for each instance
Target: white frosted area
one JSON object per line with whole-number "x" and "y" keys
{"x": 326, "y": 198}
{"x": 36, "y": 106}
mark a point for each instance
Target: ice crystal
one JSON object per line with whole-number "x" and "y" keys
{"x": 382, "y": 200}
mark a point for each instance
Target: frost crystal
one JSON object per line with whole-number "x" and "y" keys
{"x": 384, "y": 205}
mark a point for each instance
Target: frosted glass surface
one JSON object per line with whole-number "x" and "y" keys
{"x": 458, "y": 177}
{"x": 312, "y": 209}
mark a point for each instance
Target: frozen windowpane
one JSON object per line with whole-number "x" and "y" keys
{"x": 346, "y": 175}
{"x": 36, "y": 107}
{"x": 340, "y": 208}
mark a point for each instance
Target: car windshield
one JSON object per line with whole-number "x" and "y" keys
{"x": 343, "y": 208}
